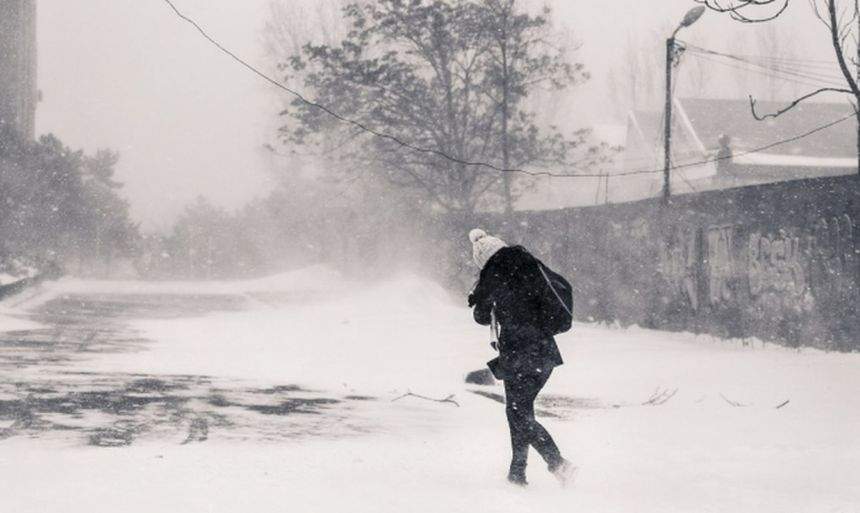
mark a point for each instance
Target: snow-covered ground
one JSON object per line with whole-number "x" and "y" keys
{"x": 695, "y": 452}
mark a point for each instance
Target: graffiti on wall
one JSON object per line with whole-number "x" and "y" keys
{"x": 679, "y": 261}
{"x": 638, "y": 229}
{"x": 785, "y": 268}
{"x": 720, "y": 263}
{"x": 834, "y": 257}
{"x": 777, "y": 270}
{"x": 791, "y": 270}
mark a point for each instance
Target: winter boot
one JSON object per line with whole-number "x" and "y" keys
{"x": 565, "y": 472}
{"x": 517, "y": 478}
{"x": 517, "y": 473}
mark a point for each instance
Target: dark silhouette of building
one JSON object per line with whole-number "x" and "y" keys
{"x": 18, "y": 89}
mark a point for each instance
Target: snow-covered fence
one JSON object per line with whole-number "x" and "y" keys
{"x": 777, "y": 261}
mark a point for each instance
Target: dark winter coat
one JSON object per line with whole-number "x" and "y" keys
{"x": 511, "y": 282}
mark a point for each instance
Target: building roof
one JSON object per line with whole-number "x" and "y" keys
{"x": 711, "y": 118}
{"x": 696, "y": 128}
{"x": 698, "y": 125}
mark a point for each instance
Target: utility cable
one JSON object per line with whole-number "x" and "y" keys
{"x": 438, "y": 153}
{"x": 343, "y": 119}
{"x": 817, "y": 83}
{"x": 801, "y": 73}
{"x": 772, "y": 72}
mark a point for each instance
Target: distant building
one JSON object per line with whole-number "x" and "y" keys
{"x": 716, "y": 141}
{"x": 18, "y": 88}
{"x": 718, "y": 145}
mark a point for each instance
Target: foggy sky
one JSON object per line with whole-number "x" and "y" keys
{"x": 128, "y": 75}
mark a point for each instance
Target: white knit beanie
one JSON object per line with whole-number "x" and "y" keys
{"x": 484, "y": 246}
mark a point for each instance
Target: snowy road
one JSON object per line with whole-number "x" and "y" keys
{"x": 277, "y": 396}
{"x": 50, "y": 390}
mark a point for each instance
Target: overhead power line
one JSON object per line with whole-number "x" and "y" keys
{"x": 765, "y": 72}
{"x": 772, "y": 69}
{"x": 344, "y": 119}
{"x": 805, "y": 62}
{"x": 769, "y": 62}
{"x": 386, "y": 136}
{"x": 829, "y": 70}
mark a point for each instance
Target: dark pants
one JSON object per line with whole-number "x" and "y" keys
{"x": 520, "y": 394}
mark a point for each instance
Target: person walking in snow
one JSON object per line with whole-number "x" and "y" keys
{"x": 508, "y": 296}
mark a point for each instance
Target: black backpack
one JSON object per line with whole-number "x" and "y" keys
{"x": 557, "y": 301}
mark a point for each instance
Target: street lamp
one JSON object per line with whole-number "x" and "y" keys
{"x": 691, "y": 17}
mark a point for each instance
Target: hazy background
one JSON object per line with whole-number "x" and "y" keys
{"x": 129, "y": 75}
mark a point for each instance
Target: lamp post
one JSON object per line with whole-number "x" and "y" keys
{"x": 691, "y": 17}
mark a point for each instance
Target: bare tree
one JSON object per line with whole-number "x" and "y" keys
{"x": 775, "y": 57}
{"x": 522, "y": 58}
{"x": 779, "y": 50}
{"x": 841, "y": 18}
{"x": 290, "y": 25}
{"x": 696, "y": 77}
{"x": 637, "y": 82}
{"x": 634, "y": 82}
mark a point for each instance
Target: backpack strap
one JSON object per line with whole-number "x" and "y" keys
{"x": 555, "y": 292}
{"x": 494, "y": 328}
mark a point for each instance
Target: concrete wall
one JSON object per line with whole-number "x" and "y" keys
{"x": 778, "y": 261}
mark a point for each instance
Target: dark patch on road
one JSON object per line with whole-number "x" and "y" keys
{"x": 300, "y": 405}
{"x": 127, "y": 407}
{"x": 360, "y": 398}
{"x": 116, "y": 410}
{"x": 81, "y": 325}
{"x": 281, "y": 389}
{"x": 118, "y": 435}
{"x": 81, "y": 308}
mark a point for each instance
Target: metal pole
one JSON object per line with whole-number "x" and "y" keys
{"x": 667, "y": 129}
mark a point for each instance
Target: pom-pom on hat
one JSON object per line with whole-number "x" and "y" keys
{"x": 484, "y": 246}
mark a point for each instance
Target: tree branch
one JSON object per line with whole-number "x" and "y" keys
{"x": 660, "y": 397}
{"x": 795, "y": 103}
{"x": 817, "y": 11}
{"x": 736, "y": 404}
{"x": 449, "y": 399}
{"x": 734, "y": 8}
